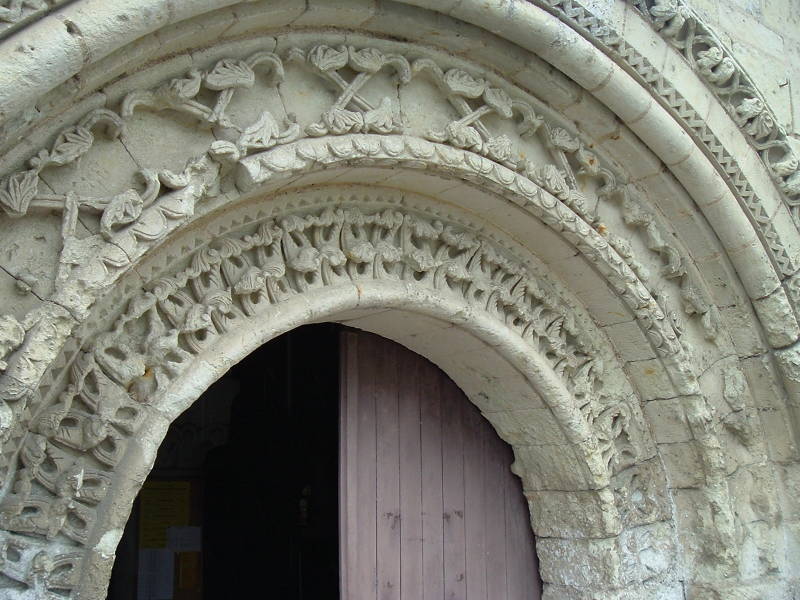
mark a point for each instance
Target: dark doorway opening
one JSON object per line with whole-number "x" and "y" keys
{"x": 244, "y": 492}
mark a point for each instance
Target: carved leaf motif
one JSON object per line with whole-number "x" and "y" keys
{"x": 388, "y": 252}
{"x": 305, "y": 261}
{"x": 562, "y": 140}
{"x": 551, "y": 179}
{"x": 11, "y": 336}
{"x": 459, "y": 238}
{"x": 340, "y": 121}
{"x": 380, "y": 119}
{"x": 251, "y": 281}
{"x": 326, "y": 58}
{"x": 463, "y": 136}
{"x": 333, "y": 256}
{"x": 499, "y": 148}
{"x": 462, "y": 83}
{"x": 421, "y": 260}
{"x": 197, "y": 319}
{"x": 20, "y": 190}
{"x": 224, "y": 151}
{"x": 229, "y": 73}
{"x": 123, "y": 209}
{"x": 367, "y": 60}
{"x": 359, "y": 251}
{"x": 71, "y": 144}
{"x": 499, "y": 101}
{"x": 424, "y": 229}
{"x": 260, "y": 134}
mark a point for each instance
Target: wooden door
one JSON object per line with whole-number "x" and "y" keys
{"x": 429, "y": 507}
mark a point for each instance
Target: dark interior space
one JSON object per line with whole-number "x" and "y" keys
{"x": 243, "y": 497}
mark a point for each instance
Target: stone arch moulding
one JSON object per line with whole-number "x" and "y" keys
{"x": 637, "y": 310}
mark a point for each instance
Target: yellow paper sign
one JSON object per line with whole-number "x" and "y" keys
{"x": 163, "y": 504}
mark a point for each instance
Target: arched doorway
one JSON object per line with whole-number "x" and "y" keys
{"x": 250, "y": 478}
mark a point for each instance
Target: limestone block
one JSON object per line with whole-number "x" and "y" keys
{"x": 668, "y": 421}
{"x": 660, "y": 132}
{"x": 666, "y": 588}
{"x": 582, "y": 563}
{"x": 29, "y": 253}
{"x": 650, "y": 378}
{"x": 558, "y": 514}
{"x": 548, "y": 84}
{"x": 737, "y": 321}
{"x": 639, "y": 34}
{"x": 49, "y": 47}
{"x": 622, "y": 95}
{"x": 651, "y": 549}
{"x": 555, "y": 467}
{"x": 263, "y": 15}
{"x": 594, "y": 119}
{"x": 345, "y": 13}
{"x": 629, "y": 341}
{"x": 177, "y": 138}
{"x": 788, "y": 360}
{"x": 202, "y": 31}
{"x": 755, "y": 494}
{"x": 763, "y": 381}
{"x": 787, "y": 477}
{"x": 721, "y": 279}
{"x": 762, "y": 590}
{"x": 781, "y": 443}
{"x": 533, "y": 426}
{"x": 641, "y": 494}
{"x": 782, "y": 18}
{"x": 409, "y": 22}
{"x": 683, "y": 464}
{"x": 627, "y": 151}
{"x": 700, "y": 178}
{"x": 777, "y": 317}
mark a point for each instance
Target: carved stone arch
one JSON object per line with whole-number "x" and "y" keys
{"x": 412, "y": 270}
{"x": 677, "y": 250}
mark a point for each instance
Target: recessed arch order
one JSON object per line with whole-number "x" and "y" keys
{"x": 622, "y": 304}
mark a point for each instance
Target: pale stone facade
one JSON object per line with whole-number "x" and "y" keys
{"x": 586, "y": 213}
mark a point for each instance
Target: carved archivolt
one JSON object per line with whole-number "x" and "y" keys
{"x": 66, "y": 420}
{"x": 68, "y": 456}
{"x": 702, "y": 47}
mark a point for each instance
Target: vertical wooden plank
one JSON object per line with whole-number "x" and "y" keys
{"x": 495, "y": 516}
{"x": 388, "y": 525}
{"x": 432, "y": 501}
{"x": 455, "y": 584}
{"x": 411, "y": 564}
{"x": 348, "y": 428}
{"x": 474, "y": 502}
{"x": 366, "y": 479}
{"x": 430, "y": 509}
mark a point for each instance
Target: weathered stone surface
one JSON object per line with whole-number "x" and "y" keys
{"x": 584, "y": 211}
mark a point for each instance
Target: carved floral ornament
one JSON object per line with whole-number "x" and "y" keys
{"x": 684, "y": 30}
{"x": 62, "y": 446}
{"x": 681, "y": 26}
{"x": 58, "y": 465}
{"x": 68, "y": 456}
{"x": 141, "y": 215}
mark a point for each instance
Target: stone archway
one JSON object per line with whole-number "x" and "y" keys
{"x": 612, "y": 264}
{"x": 453, "y": 290}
